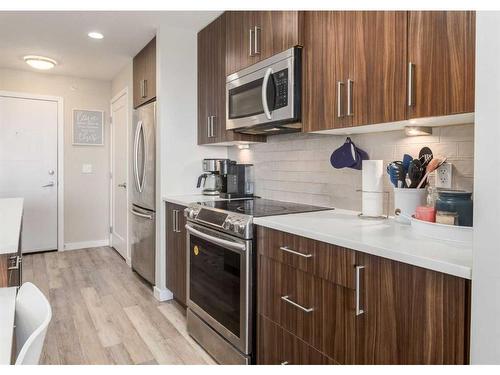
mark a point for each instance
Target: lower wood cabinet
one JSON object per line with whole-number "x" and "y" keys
{"x": 176, "y": 251}
{"x": 405, "y": 314}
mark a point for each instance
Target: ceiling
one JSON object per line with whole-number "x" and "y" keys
{"x": 63, "y": 36}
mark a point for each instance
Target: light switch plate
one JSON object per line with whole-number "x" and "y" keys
{"x": 444, "y": 175}
{"x": 86, "y": 168}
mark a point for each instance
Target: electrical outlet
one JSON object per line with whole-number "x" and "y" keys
{"x": 444, "y": 176}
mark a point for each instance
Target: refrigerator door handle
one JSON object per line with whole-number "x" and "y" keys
{"x": 136, "y": 150}
{"x": 144, "y": 147}
{"x": 134, "y": 212}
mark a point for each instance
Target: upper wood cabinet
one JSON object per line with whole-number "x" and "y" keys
{"x": 144, "y": 74}
{"x": 441, "y": 54}
{"x": 354, "y": 69}
{"x": 212, "y": 86}
{"x": 176, "y": 251}
{"x": 257, "y": 35}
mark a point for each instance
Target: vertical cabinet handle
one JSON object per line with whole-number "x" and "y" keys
{"x": 208, "y": 127}
{"x": 339, "y": 99}
{"x": 256, "y": 46}
{"x": 359, "y": 310}
{"x": 212, "y": 125}
{"x": 411, "y": 93}
{"x": 350, "y": 111}
{"x": 173, "y": 221}
{"x": 143, "y": 88}
{"x": 250, "y": 36}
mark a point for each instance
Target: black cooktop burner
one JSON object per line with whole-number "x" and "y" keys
{"x": 258, "y": 207}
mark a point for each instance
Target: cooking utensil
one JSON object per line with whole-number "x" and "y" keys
{"x": 415, "y": 172}
{"x": 425, "y": 156}
{"x": 406, "y": 162}
{"x": 396, "y": 173}
{"x": 431, "y": 167}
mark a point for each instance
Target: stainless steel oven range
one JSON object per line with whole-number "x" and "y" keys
{"x": 221, "y": 272}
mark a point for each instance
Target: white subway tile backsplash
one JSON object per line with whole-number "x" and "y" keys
{"x": 296, "y": 167}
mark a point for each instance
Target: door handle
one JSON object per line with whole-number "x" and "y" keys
{"x": 124, "y": 185}
{"x": 339, "y": 99}
{"x": 256, "y": 40}
{"x": 269, "y": 71}
{"x": 17, "y": 260}
{"x": 349, "y": 97}
{"x": 136, "y": 150}
{"x": 49, "y": 184}
{"x": 250, "y": 32}
{"x": 305, "y": 309}
{"x": 411, "y": 73}
{"x": 141, "y": 215}
{"x": 359, "y": 310}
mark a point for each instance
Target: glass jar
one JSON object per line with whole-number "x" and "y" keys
{"x": 459, "y": 202}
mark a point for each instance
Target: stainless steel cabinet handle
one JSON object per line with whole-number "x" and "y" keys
{"x": 411, "y": 68}
{"x": 250, "y": 32}
{"x": 173, "y": 221}
{"x": 51, "y": 183}
{"x": 285, "y": 248}
{"x": 256, "y": 46}
{"x": 141, "y": 215}
{"x": 212, "y": 126}
{"x": 284, "y": 363}
{"x": 144, "y": 88}
{"x": 18, "y": 261}
{"x": 339, "y": 99}
{"x": 359, "y": 310}
{"x": 208, "y": 127}
{"x": 349, "y": 97}
{"x": 123, "y": 185}
{"x": 305, "y": 309}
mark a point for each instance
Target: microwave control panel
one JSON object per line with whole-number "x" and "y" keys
{"x": 281, "y": 85}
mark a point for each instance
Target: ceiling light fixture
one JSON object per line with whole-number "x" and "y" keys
{"x": 418, "y": 130}
{"x": 95, "y": 35}
{"x": 40, "y": 62}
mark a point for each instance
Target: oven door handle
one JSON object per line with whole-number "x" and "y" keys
{"x": 215, "y": 240}
{"x": 265, "y": 105}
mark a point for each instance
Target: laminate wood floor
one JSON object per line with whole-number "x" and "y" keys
{"x": 103, "y": 313}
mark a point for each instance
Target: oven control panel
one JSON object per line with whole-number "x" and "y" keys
{"x": 235, "y": 224}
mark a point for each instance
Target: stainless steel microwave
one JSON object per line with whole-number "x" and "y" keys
{"x": 265, "y": 97}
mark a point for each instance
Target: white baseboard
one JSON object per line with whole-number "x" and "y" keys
{"x": 85, "y": 244}
{"x": 162, "y": 294}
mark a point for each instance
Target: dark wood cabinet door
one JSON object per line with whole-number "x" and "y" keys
{"x": 316, "y": 311}
{"x": 238, "y": 38}
{"x": 378, "y": 67}
{"x": 144, "y": 74}
{"x": 277, "y": 31}
{"x": 441, "y": 47}
{"x": 277, "y": 346}
{"x": 176, "y": 251}
{"x": 326, "y": 55}
{"x": 412, "y": 315}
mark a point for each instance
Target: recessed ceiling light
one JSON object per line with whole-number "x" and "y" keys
{"x": 95, "y": 35}
{"x": 40, "y": 62}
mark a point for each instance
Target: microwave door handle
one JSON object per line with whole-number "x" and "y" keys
{"x": 215, "y": 240}
{"x": 136, "y": 150}
{"x": 265, "y": 105}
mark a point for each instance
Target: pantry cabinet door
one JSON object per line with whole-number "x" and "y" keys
{"x": 326, "y": 55}
{"x": 378, "y": 68}
{"x": 441, "y": 49}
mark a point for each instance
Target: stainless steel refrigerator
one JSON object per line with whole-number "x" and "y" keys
{"x": 144, "y": 192}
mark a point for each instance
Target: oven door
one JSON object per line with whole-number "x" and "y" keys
{"x": 219, "y": 282}
{"x": 262, "y": 93}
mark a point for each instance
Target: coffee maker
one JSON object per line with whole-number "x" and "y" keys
{"x": 235, "y": 180}
{"x": 211, "y": 179}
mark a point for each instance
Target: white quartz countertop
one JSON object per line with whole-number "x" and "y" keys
{"x": 11, "y": 213}
{"x": 384, "y": 238}
{"x": 7, "y": 315}
{"x": 187, "y": 199}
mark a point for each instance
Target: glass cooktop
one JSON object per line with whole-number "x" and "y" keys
{"x": 258, "y": 207}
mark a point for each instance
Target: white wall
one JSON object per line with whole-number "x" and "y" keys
{"x": 86, "y": 196}
{"x": 179, "y": 158}
{"x": 485, "y": 345}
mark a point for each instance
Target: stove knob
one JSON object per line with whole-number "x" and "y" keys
{"x": 231, "y": 227}
{"x": 241, "y": 228}
{"x": 226, "y": 225}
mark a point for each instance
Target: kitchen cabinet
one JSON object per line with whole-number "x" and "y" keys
{"x": 176, "y": 251}
{"x": 212, "y": 86}
{"x": 441, "y": 55}
{"x": 257, "y": 35}
{"x": 10, "y": 269}
{"x": 355, "y": 308}
{"x": 356, "y": 62}
{"x": 144, "y": 75}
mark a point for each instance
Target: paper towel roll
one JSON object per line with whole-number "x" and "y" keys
{"x": 372, "y": 204}
{"x": 372, "y": 176}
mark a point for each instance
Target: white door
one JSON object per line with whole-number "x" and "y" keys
{"x": 119, "y": 160}
{"x": 28, "y": 166}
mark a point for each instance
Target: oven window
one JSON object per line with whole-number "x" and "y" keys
{"x": 246, "y": 100}
{"x": 214, "y": 282}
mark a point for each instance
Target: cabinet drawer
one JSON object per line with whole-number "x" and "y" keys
{"x": 323, "y": 260}
{"x": 277, "y": 346}
{"x": 315, "y": 310}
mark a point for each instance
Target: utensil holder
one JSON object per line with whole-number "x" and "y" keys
{"x": 407, "y": 201}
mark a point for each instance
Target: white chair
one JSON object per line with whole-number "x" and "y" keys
{"x": 33, "y": 314}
